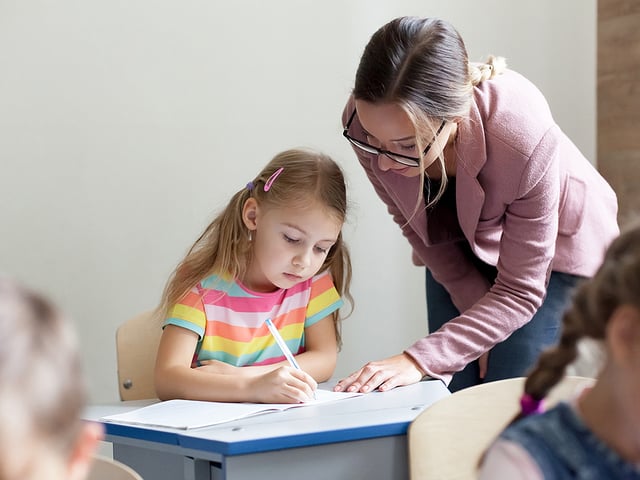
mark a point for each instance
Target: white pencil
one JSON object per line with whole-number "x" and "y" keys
{"x": 281, "y": 343}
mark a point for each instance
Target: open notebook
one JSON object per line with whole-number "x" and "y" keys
{"x": 187, "y": 414}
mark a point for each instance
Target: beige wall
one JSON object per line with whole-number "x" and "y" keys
{"x": 125, "y": 124}
{"x": 619, "y": 100}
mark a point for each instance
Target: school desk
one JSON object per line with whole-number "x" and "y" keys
{"x": 362, "y": 437}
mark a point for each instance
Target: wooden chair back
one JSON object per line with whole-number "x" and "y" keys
{"x": 137, "y": 343}
{"x": 447, "y": 440}
{"x": 107, "y": 469}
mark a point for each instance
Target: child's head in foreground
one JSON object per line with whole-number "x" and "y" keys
{"x": 41, "y": 391}
{"x": 597, "y": 434}
{"x": 600, "y": 306}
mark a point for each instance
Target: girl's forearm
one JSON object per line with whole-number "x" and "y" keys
{"x": 197, "y": 384}
{"x": 319, "y": 364}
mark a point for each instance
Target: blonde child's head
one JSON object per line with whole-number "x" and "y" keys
{"x": 41, "y": 391}
{"x": 293, "y": 179}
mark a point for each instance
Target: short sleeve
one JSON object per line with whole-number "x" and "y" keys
{"x": 188, "y": 313}
{"x": 324, "y": 299}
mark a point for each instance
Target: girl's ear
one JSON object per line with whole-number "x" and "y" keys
{"x": 623, "y": 335}
{"x": 250, "y": 213}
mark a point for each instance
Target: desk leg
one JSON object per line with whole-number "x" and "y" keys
{"x": 151, "y": 464}
{"x": 195, "y": 469}
{"x": 373, "y": 459}
{"x": 160, "y": 465}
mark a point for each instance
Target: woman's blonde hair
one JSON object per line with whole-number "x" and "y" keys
{"x": 421, "y": 65}
{"x": 224, "y": 247}
{"x": 42, "y": 392}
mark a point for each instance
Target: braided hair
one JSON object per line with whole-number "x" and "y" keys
{"x": 616, "y": 283}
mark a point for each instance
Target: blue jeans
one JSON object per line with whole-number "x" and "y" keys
{"x": 517, "y": 354}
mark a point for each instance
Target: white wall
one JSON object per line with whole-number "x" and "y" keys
{"x": 125, "y": 124}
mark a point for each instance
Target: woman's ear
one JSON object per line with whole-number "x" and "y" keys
{"x": 623, "y": 335}
{"x": 250, "y": 213}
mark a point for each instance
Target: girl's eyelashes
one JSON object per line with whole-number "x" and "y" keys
{"x": 290, "y": 239}
{"x": 320, "y": 250}
{"x": 317, "y": 248}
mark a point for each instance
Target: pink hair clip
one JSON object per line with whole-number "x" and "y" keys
{"x": 272, "y": 179}
{"x": 530, "y": 405}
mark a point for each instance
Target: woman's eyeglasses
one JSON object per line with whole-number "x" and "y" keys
{"x": 398, "y": 157}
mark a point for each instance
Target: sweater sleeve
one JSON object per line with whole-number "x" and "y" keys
{"x": 489, "y": 312}
{"x": 527, "y": 247}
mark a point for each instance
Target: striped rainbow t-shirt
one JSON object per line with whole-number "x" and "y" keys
{"x": 229, "y": 318}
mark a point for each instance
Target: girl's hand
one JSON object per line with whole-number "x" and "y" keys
{"x": 284, "y": 385}
{"x": 384, "y": 375}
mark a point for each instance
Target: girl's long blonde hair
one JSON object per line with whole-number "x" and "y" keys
{"x": 421, "y": 65}
{"x": 224, "y": 247}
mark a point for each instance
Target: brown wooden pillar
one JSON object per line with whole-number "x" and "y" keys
{"x": 619, "y": 101}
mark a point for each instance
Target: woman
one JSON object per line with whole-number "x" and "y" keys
{"x": 496, "y": 201}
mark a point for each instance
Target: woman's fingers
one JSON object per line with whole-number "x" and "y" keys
{"x": 383, "y": 375}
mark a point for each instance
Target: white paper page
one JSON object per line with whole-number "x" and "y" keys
{"x": 186, "y": 414}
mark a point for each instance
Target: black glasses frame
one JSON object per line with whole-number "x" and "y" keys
{"x": 397, "y": 157}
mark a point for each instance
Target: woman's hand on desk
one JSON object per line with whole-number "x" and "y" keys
{"x": 383, "y": 374}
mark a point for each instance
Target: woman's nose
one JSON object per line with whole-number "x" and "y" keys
{"x": 384, "y": 162}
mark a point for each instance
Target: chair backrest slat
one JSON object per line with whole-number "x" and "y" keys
{"x": 107, "y": 469}
{"x": 447, "y": 439}
{"x": 136, "y": 346}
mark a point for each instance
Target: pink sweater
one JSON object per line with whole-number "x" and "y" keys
{"x": 527, "y": 201}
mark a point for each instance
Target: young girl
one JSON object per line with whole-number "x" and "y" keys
{"x": 598, "y": 435}
{"x": 41, "y": 392}
{"x": 276, "y": 251}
